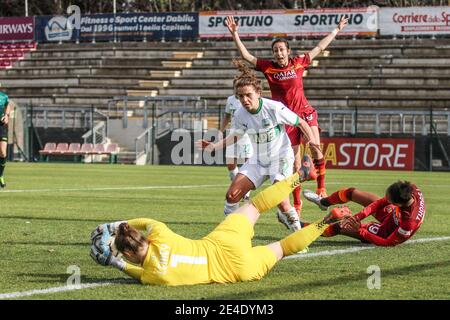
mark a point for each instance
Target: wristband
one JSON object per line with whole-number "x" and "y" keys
{"x": 335, "y": 31}
{"x": 118, "y": 263}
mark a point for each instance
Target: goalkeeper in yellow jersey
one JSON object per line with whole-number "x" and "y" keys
{"x": 226, "y": 255}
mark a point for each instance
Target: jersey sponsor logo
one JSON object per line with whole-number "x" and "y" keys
{"x": 266, "y": 123}
{"x": 310, "y": 117}
{"x": 265, "y": 136}
{"x": 286, "y": 75}
{"x": 404, "y": 233}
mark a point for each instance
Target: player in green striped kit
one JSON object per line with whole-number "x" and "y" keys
{"x": 4, "y": 119}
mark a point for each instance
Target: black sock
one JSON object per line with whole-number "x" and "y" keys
{"x": 2, "y": 165}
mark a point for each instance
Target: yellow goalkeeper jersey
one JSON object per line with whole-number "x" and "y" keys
{"x": 224, "y": 256}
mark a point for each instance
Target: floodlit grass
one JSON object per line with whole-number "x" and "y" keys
{"x": 49, "y": 210}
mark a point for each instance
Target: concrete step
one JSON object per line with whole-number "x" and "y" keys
{"x": 375, "y": 101}
{"x": 395, "y": 70}
{"x": 60, "y": 62}
{"x": 61, "y": 81}
{"x": 197, "y": 91}
{"x": 397, "y": 50}
{"x": 81, "y": 62}
{"x": 165, "y": 73}
{"x": 78, "y": 70}
{"x": 346, "y": 60}
{"x": 342, "y": 79}
{"x": 154, "y": 83}
{"x": 75, "y": 53}
{"x": 142, "y": 93}
{"x": 51, "y": 90}
{"x": 337, "y": 90}
{"x": 187, "y": 54}
{"x": 176, "y": 64}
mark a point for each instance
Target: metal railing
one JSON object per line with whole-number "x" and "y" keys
{"x": 151, "y": 107}
{"x": 97, "y": 135}
{"x": 383, "y": 122}
{"x": 144, "y": 145}
{"x": 160, "y": 115}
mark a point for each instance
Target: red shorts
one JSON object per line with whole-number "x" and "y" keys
{"x": 309, "y": 114}
{"x": 386, "y": 224}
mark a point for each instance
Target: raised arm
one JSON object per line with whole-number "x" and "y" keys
{"x": 233, "y": 28}
{"x": 323, "y": 44}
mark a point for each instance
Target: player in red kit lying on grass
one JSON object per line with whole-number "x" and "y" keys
{"x": 399, "y": 214}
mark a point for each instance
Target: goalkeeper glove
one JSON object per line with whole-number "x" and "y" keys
{"x": 111, "y": 227}
{"x": 106, "y": 259}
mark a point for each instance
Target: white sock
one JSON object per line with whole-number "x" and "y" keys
{"x": 233, "y": 173}
{"x": 292, "y": 212}
{"x": 230, "y": 207}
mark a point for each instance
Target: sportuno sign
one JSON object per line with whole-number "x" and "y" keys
{"x": 362, "y": 21}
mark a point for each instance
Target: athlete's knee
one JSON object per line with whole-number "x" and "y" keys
{"x": 284, "y": 206}
{"x": 233, "y": 195}
{"x": 297, "y": 165}
{"x": 316, "y": 151}
{"x": 349, "y": 193}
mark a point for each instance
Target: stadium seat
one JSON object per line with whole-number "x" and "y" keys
{"x": 61, "y": 148}
{"x": 112, "y": 149}
{"x": 5, "y": 64}
{"x": 49, "y": 149}
{"x": 74, "y": 148}
{"x": 99, "y": 149}
{"x": 86, "y": 149}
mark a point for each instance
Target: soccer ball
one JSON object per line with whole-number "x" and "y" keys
{"x": 110, "y": 243}
{"x": 112, "y": 247}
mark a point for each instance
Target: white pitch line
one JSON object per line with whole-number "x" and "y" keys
{"x": 165, "y": 187}
{"x": 299, "y": 256}
{"x": 115, "y": 188}
{"x": 53, "y": 290}
{"x": 356, "y": 249}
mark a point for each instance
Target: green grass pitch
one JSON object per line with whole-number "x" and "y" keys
{"x": 49, "y": 210}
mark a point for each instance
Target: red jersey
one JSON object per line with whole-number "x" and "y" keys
{"x": 397, "y": 224}
{"x": 286, "y": 84}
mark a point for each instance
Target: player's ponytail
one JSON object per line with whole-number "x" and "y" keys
{"x": 246, "y": 78}
{"x": 129, "y": 239}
